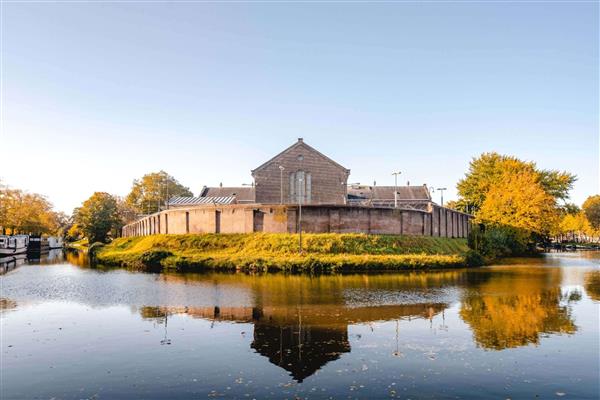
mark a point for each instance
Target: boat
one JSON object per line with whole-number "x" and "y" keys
{"x": 55, "y": 242}
{"x": 38, "y": 244}
{"x": 10, "y": 245}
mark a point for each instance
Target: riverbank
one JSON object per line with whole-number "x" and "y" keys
{"x": 279, "y": 252}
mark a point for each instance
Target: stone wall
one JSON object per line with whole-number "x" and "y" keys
{"x": 242, "y": 218}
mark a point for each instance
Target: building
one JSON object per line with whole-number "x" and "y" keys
{"x": 301, "y": 174}
{"x": 302, "y": 189}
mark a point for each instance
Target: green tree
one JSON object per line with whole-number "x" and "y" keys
{"x": 149, "y": 194}
{"x": 98, "y": 217}
{"x": 591, "y": 208}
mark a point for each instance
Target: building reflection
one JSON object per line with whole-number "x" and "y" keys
{"x": 303, "y": 340}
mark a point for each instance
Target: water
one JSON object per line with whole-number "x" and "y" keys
{"x": 527, "y": 329}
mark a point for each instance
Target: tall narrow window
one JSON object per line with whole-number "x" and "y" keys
{"x": 293, "y": 198}
{"x": 300, "y": 187}
{"x": 187, "y": 222}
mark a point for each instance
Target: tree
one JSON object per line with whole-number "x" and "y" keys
{"x": 150, "y": 193}
{"x": 574, "y": 226}
{"x": 486, "y": 171}
{"x": 518, "y": 200}
{"x": 98, "y": 216}
{"x": 22, "y": 212}
{"x": 591, "y": 208}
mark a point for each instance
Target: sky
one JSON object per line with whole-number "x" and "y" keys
{"x": 95, "y": 95}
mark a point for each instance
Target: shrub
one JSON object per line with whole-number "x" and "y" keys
{"x": 153, "y": 258}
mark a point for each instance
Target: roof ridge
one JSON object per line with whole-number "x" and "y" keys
{"x": 300, "y": 142}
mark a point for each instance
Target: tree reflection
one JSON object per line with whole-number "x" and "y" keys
{"x": 513, "y": 308}
{"x": 592, "y": 285}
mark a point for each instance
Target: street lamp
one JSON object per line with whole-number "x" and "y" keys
{"x": 300, "y": 179}
{"x": 441, "y": 190}
{"x": 396, "y": 188}
{"x": 281, "y": 168}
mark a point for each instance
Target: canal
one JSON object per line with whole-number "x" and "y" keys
{"x": 526, "y": 329}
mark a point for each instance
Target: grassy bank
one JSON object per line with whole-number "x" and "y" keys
{"x": 252, "y": 252}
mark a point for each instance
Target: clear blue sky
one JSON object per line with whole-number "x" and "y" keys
{"x": 95, "y": 95}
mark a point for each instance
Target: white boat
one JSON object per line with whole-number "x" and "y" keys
{"x": 10, "y": 245}
{"x": 55, "y": 242}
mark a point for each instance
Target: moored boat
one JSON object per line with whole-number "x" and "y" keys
{"x": 38, "y": 244}
{"x": 10, "y": 245}
{"x": 55, "y": 242}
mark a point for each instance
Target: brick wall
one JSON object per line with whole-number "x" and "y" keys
{"x": 241, "y": 218}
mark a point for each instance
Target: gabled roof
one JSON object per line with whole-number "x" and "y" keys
{"x": 242, "y": 193}
{"x": 300, "y": 143}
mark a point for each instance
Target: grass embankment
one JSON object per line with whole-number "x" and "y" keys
{"x": 264, "y": 252}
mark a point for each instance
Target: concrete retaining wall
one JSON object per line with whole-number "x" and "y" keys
{"x": 246, "y": 218}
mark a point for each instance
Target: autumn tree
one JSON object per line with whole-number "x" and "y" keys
{"x": 486, "y": 171}
{"x": 23, "y": 212}
{"x": 98, "y": 217}
{"x": 151, "y": 192}
{"x": 591, "y": 208}
{"x": 575, "y": 226}
{"x": 518, "y": 200}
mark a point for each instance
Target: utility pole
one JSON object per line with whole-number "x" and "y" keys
{"x": 167, "y": 191}
{"x": 396, "y": 188}
{"x": 301, "y": 180}
{"x": 281, "y": 168}
{"x": 441, "y": 190}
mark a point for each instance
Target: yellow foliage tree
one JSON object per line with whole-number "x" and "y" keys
{"x": 22, "y": 212}
{"x": 519, "y": 201}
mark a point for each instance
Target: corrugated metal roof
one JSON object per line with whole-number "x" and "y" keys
{"x": 387, "y": 193}
{"x": 242, "y": 193}
{"x": 192, "y": 201}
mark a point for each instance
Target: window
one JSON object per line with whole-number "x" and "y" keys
{"x": 300, "y": 187}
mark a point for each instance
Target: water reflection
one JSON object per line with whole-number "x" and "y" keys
{"x": 515, "y": 306}
{"x": 317, "y": 329}
{"x": 592, "y": 284}
{"x": 303, "y": 339}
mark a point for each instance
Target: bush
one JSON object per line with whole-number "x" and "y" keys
{"x": 153, "y": 258}
{"x": 492, "y": 242}
{"x": 474, "y": 259}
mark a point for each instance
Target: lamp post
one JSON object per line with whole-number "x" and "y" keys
{"x": 167, "y": 177}
{"x": 396, "y": 188}
{"x": 441, "y": 190}
{"x": 300, "y": 215}
{"x": 281, "y": 168}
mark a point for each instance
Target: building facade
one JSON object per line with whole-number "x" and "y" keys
{"x": 300, "y": 174}
{"x": 300, "y": 189}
